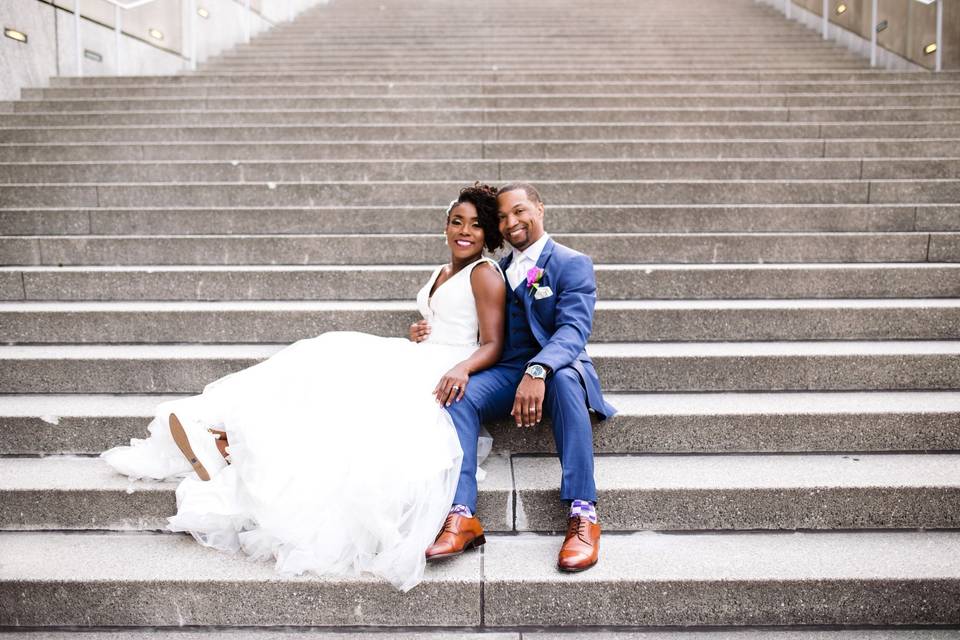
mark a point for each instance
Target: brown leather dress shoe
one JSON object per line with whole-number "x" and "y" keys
{"x": 458, "y": 534}
{"x": 581, "y": 547}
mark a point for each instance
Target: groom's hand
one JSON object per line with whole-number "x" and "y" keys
{"x": 528, "y": 403}
{"x": 419, "y": 331}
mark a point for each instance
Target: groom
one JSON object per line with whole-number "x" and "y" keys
{"x": 543, "y": 370}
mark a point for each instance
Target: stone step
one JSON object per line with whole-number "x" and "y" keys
{"x": 659, "y": 493}
{"x": 542, "y": 634}
{"x": 483, "y": 50}
{"x": 649, "y": 423}
{"x": 843, "y": 120}
{"x": 614, "y": 321}
{"x": 585, "y": 75}
{"x": 453, "y": 166}
{"x": 834, "y": 61}
{"x": 614, "y": 282}
{"x": 888, "y": 152}
{"x": 420, "y": 219}
{"x": 519, "y": 101}
{"x": 626, "y": 367}
{"x": 652, "y": 579}
{"x": 604, "y": 58}
{"x": 160, "y": 128}
{"x": 499, "y": 88}
{"x": 437, "y": 193}
{"x": 398, "y": 249}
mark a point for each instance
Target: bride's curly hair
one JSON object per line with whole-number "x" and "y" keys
{"x": 484, "y": 198}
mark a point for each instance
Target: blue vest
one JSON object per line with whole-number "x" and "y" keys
{"x": 520, "y": 344}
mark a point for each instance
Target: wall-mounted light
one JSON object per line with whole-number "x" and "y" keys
{"x": 92, "y": 55}
{"x": 203, "y": 13}
{"x": 156, "y": 34}
{"x": 926, "y": 1}
{"x": 841, "y": 9}
{"x": 882, "y": 26}
{"x": 930, "y": 48}
{"x": 13, "y": 34}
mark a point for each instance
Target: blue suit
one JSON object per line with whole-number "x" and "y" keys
{"x": 552, "y": 331}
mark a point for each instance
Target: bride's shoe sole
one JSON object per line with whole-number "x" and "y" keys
{"x": 476, "y": 543}
{"x": 183, "y": 443}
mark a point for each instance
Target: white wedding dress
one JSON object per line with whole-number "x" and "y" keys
{"x": 341, "y": 459}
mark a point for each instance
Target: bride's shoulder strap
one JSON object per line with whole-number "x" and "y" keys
{"x": 493, "y": 263}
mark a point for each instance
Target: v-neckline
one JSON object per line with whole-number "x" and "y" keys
{"x": 433, "y": 292}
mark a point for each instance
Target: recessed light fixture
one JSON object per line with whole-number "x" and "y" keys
{"x": 930, "y": 48}
{"x": 203, "y": 13}
{"x": 926, "y": 1}
{"x": 92, "y": 55}
{"x": 841, "y": 9}
{"x": 156, "y": 34}
{"x": 882, "y": 26}
{"x": 13, "y": 34}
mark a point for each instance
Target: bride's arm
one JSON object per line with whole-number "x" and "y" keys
{"x": 490, "y": 294}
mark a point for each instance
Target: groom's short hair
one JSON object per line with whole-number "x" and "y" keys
{"x": 528, "y": 188}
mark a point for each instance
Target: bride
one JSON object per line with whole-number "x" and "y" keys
{"x": 335, "y": 455}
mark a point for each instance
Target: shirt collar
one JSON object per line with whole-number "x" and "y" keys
{"x": 532, "y": 252}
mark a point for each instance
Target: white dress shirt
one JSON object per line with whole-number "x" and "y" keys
{"x": 523, "y": 261}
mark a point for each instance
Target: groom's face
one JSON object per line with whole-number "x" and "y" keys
{"x": 521, "y": 219}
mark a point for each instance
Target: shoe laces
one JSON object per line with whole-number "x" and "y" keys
{"x": 577, "y": 526}
{"x": 448, "y": 525}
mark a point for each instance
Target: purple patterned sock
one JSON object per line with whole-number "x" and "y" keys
{"x": 462, "y": 510}
{"x": 583, "y": 508}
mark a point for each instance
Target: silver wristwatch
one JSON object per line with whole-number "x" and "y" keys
{"x": 536, "y": 371}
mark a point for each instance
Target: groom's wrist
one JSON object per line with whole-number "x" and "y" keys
{"x": 537, "y": 370}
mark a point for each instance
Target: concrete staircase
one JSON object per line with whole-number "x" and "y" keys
{"x": 776, "y": 230}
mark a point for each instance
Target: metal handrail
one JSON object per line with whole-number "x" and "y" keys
{"x": 133, "y": 4}
{"x": 874, "y": 12}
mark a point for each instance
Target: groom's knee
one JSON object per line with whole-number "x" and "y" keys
{"x": 564, "y": 383}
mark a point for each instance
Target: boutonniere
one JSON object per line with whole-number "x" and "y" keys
{"x": 534, "y": 277}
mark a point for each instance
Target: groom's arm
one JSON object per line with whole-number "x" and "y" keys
{"x": 576, "y": 299}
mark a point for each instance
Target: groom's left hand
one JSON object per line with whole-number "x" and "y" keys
{"x": 528, "y": 403}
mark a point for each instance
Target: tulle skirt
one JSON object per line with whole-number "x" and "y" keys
{"x": 341, "y": 460}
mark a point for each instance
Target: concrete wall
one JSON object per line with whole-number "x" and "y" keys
{"x": 911, "y": 26}
{"x": 50, "y": 47}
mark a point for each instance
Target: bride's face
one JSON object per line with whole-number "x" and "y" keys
{"x": 464, "y": 234}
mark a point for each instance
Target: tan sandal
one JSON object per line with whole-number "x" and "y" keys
{"x": 182, "y": 440}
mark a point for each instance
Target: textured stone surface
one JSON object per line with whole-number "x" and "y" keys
{"x": 938, "y": 218}
{"x": 312, "y": 634}
{"x": 666, "y": 366}
{"x": 170, "y": 580}
{"x": 729, "y": 579}
{"x": 642, "y": 321}
{"x": 646, "y": 423}
{"x": 230, "y": 194}
{"x": 357, "y": 249}
{"x": 944, "y": 247}
{"x": 826, "y": 365}
{"x": 63, "y": 492}
{"x": 422, "y": 219}
{"x": 614, "y": 282}
{"x": 752, "y": 492}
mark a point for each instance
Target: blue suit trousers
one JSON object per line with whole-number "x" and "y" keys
{"x": 490, "y": 395}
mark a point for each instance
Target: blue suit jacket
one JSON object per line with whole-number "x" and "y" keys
{"x": 562, "y": 323}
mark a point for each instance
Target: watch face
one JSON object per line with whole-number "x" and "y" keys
{"x": 536, "y": 371}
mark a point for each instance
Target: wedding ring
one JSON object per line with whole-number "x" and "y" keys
{"x": 456, "y": 388}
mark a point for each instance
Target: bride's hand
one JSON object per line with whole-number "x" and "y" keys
{"x": 419, "y": 331}
{"x": 452, "y": 385}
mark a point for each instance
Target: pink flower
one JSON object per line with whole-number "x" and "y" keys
{"x": 534, "y": 276}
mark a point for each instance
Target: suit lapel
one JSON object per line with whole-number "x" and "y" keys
{"x": 528, "y": 293}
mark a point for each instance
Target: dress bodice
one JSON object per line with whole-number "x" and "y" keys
{"x": 452, "y": 310}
